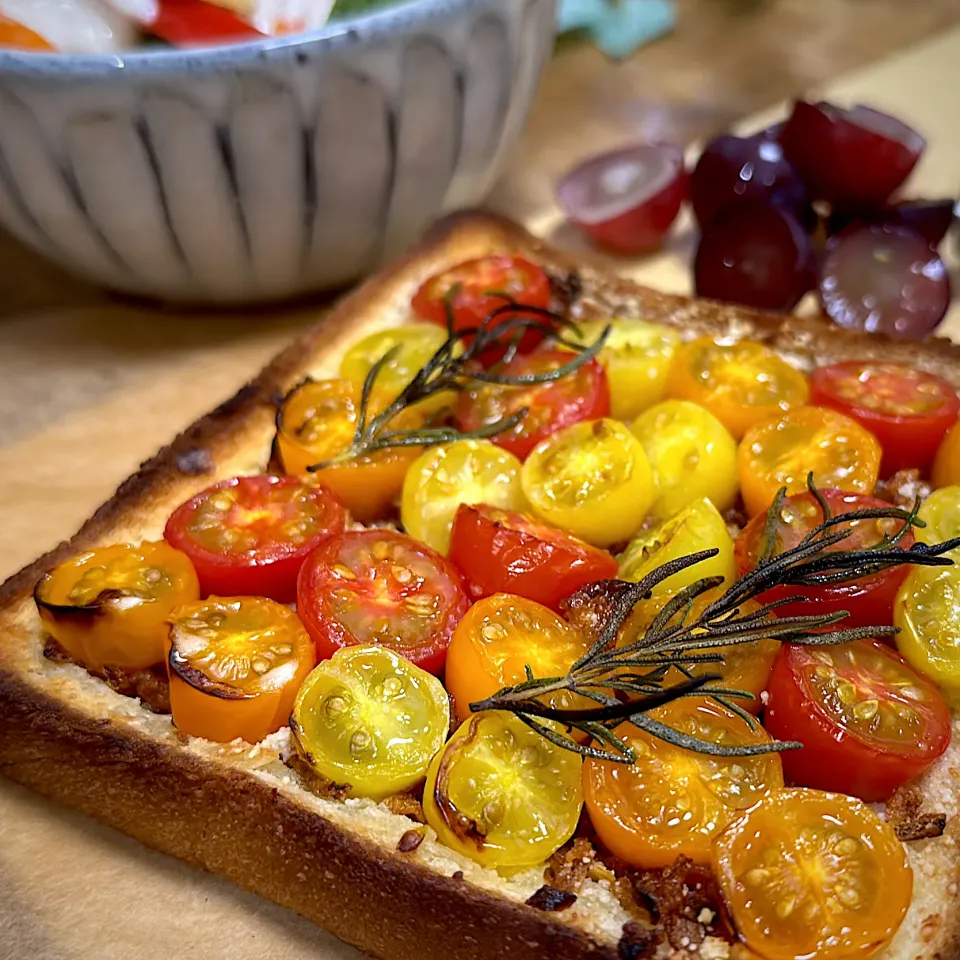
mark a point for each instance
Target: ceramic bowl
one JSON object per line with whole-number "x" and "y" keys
{"x": 265, "y": 170}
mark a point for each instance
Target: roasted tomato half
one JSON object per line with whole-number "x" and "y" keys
{"x": 501, "y": 551}
{"x": 867, "y": 721}
{"x": 235, "y": 666}
{"x": 868, "y": 600}
{"x": 249, "y": 536}
{"x": 811, "y": 874}
{"x": 581, "y": 395}
{"x": 379, "y": 587}
{"x": 109, "y": 607}
{"x": 907, "y": 410}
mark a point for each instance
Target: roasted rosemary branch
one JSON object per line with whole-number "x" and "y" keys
{"x": 456, "y": 365}
{"x": 642, "y": 670}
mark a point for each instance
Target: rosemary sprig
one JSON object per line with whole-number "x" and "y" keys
{"x": 455, "y": 366}
{"x": 675, "y": 640}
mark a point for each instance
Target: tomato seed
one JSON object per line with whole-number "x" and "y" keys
{"x": 380, "y": 550}
{"x": 260, "y": 666}
{"x": 401, "y": 574}
{"x": 866, "y": 710}
{"x": 360, "y": 742}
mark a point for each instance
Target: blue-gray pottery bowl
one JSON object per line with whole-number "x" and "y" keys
{"x": 265, "y": 170}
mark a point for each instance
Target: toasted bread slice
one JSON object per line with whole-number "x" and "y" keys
{"x": 239, "y": 811}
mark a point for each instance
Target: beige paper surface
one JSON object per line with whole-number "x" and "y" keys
{"x": 71, "y": 889}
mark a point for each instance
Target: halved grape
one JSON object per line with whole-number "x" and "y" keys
{"x": 884, "y": 279}
{"x": 756, "y": 254}
{"x": 851, "y": 158}
{"x": 732, "y": 169}
{"x": 626, "y": 200}
{"x": 930, "y": 218}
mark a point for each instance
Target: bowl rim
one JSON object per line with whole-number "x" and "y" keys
{"x": 338, "y": 35}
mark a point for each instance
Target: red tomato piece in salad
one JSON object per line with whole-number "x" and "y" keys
{"x": 907, "y": 410}
{"x": 581, "y": 395}
{"x": 867, "y": 720}
{"x": 501, "y": 551}
{"x": 383, "y": 588}
{"x": 249, "y": 536}
{"x": 190, "y": 23}
{"x": 868, "y": 600}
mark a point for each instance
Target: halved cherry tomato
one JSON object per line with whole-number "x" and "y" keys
{"x": 946, "y": 465}
{"x": 927, "y": 612}
{"x": 781, "y": 452}
{"x": 740, "y": 383}
{"x": 868, "y": 600}
{"x": 502, "y": 794}
{"x": 187, "y": 23}
{"x": 907, "y": 410}
{"x": 472, "y": 290}
{"x": 940, "y": 513}
{"x": 592, "y": 479}
{"x": 109, "y": 607}
{"x": 745, "y": 666}
{"x": 867, "y": 721}
{"x": 810, "y": 874}
{"x": 16, "y": 35}
{"x": 501, "y": 551}
{"x": 698, "y": 527}
{"x": 636, "y": 357}
{"x": 380, "y": 587}
{"x": 581, "y": 395}
{"x": 501, "y": 635}
{"x": 465, "y": 471}
{"x": 370, "y": 719}
{"x": 672, "y": 802}
{"x": 317, "y": 422}
{"x": 249, "y": 536}
{"x": 235, "y": 666}
{"x": 692, "y": 455}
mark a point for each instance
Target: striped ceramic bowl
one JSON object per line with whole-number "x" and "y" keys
{"x": 265, "y": 170}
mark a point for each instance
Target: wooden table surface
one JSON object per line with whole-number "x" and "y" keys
{"x": 90, "y": 386}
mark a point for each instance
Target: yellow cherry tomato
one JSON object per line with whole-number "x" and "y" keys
{"x": 235, "y": 666}
{"x": 740, "y": 383}
{"x": 592, "y": 479}
{"x": 415, "y": 344}
{"x": 927, "y": 611}
{"x": 317, "y": 422}
{"x": 781, "y": 452}
{"x": 698, "y": 527}
{"x": 637, "y": 357}
{"x": 672, "y": 802}
{"x": 369, "y": 718}
{"x": 811, "y": 874}
{"x": 501, "y": 635}
{"x": 502, "y": 794}
{"x": 941, "y": 514}
{"x": 692, "y": 454}
{"x": 443, "y": 477}
{"x": 946, "y": 466}
{"x": 109, "y": 607}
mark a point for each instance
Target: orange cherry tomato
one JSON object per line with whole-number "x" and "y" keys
{"x": 235, "y": 666}
{"x": 497, "y": 637}
{"x": 946, "y": 465}
{"x": 16, "y": 35}
{"x": 781, "y": 452}
{"x": 672, "y": 802}
{"x": 109, "y": 607}
{"x": 810, "y": 874}
{"x": 317, "y": 421}
{"x": 739, "y": 383}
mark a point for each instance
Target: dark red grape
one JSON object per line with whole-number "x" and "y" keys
{"x": 884, "y": 279}
{"x": 851, "y": 158}
{"x": 930, "y": 218}
{"x": 756, "y": 254}
{"x": 732, "y": 169}
{"x": 626, "y": 200}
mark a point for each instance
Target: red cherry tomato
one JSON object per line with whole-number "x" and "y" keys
{"x": 499, "y": 551}
{"x": 867, "y": 720}
{"x": 188, "y": 23}
{"x": 907, "y": 410}
{"x": 249, "y": 536}
{"x": 383, "y": 588}
{"x": 581, "y": 395}
{"x": 868, "y": 600}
